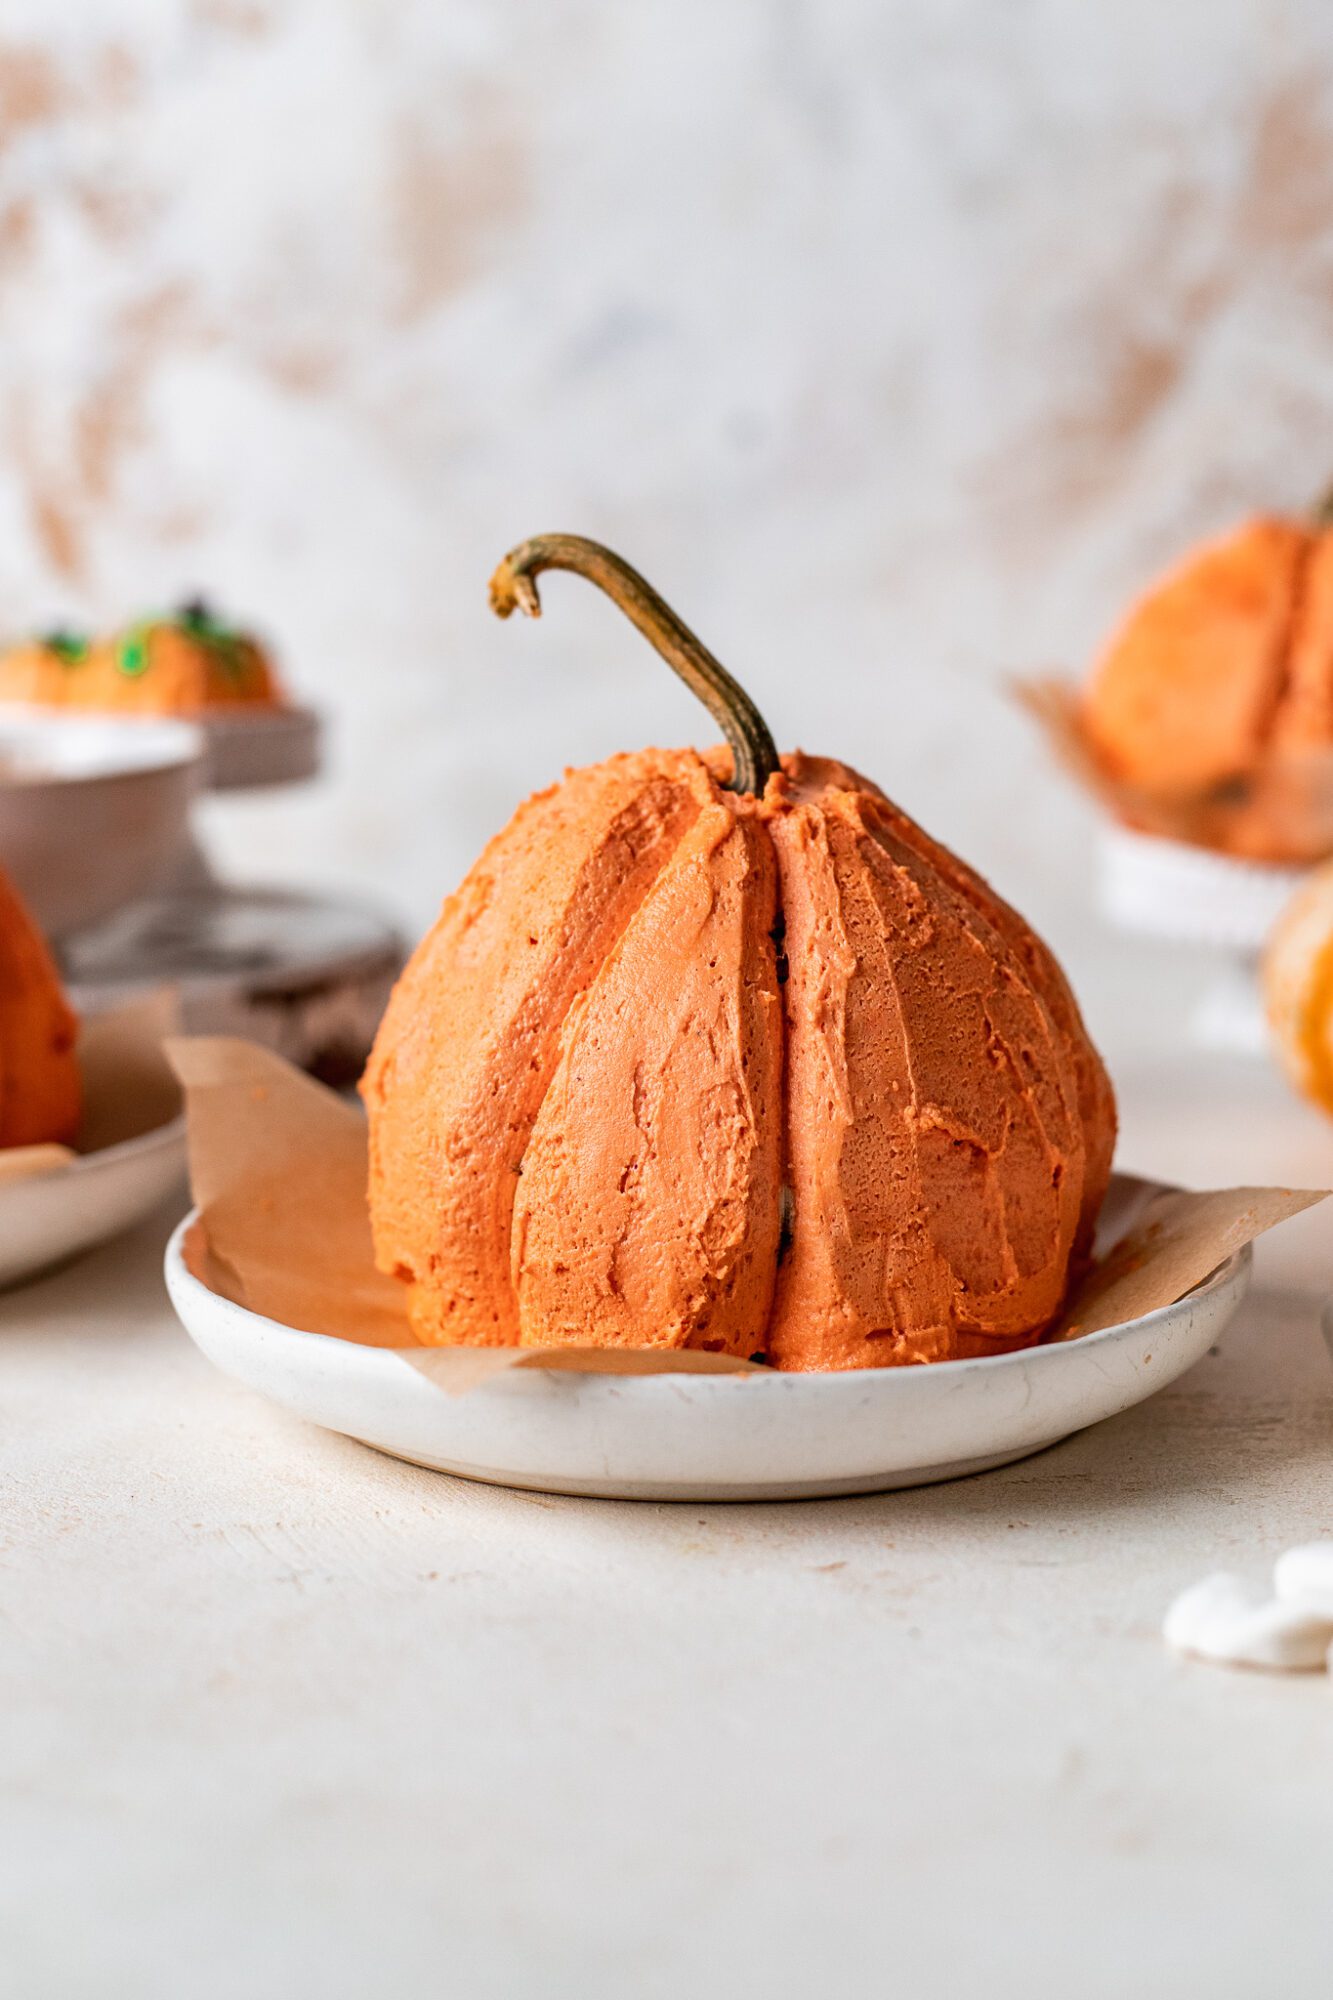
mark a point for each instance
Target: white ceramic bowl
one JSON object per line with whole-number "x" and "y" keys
{"x": 55, "y": 1216}
{"x": 93, "y": 812}
{"x": 756, "y": 1436}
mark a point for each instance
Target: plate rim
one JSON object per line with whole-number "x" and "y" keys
{"x": 181, "y": 731}
{"x": 829, "y": 1380}
{"x": 159, "y": 1137}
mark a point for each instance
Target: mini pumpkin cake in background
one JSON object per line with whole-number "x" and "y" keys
{"x": 720, "y": 1050}
{"x": 1205, "y": 734}
{"x": 1210, "y": 714}
{"x": 190, "y": 663}
{"x": 40, "y": 1095}
{"x": 1298, "y": 989}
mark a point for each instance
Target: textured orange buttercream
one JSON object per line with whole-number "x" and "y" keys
{"x": 172, "y": 671}
{"x": 36, "y": 672}
{"x": 679, "y": 1068}
{"x": 1304, "y": 718}
{"x": 39, "y": 1074}
{"x": 180, "y": 675}
{"x": 1228, "y": 655}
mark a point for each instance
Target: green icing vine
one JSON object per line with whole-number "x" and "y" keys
{"x": 70, "y": 648}
{"x": 224, "y": 641}
{"x": 132, "y": 652}
{"x": 197, "y": 621}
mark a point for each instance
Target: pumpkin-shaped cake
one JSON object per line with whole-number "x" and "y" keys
{"x": 190, "y": 663}
{"x": 39, "y": 1075}
{"x": 1220, "y": 679}
{"x": 722, "y": 1051}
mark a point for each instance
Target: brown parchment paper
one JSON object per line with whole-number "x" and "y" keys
{"x": 1283, "y": 813}
{"x": 1175, "y": 1240}
{"x": 129, "y": 1087}
{"x": 278, "y": 1170}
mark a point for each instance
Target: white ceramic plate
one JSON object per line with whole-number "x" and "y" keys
{"x": 55, "y": 1216}
{"x": 711, "y": 1437}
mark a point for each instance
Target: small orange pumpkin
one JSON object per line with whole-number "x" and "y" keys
{"x": 722, "y": 1051}
{"x": 1219, "y": 675}
{"x": 1298, "y": 988}
{"x": 39, "y": 1075}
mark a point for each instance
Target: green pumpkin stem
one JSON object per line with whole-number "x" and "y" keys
{"x": 1321, "y": 514}
{"x": 514, "y": 588}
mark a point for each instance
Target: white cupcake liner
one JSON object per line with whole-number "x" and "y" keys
{"x": 1166, "y": 889}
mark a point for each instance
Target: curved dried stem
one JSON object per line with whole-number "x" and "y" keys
{"x": 514, "y": 588}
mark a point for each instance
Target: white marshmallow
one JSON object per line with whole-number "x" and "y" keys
{"x": 1304, "y": 1575}
{"x": 1224, "y": 1619}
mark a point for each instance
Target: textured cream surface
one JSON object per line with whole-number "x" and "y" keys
{"x": 648, "y": 1210}
{"x": 455, "y": 1089}
{"x": 941, "y": 1170}
{"x": 634, "y": 1035}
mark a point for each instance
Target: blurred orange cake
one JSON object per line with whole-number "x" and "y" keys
{"x": 1216, "y": 693}
{"x": 187, "y": 663}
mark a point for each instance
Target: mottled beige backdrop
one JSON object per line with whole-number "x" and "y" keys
{"x": 895, "y": 342}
